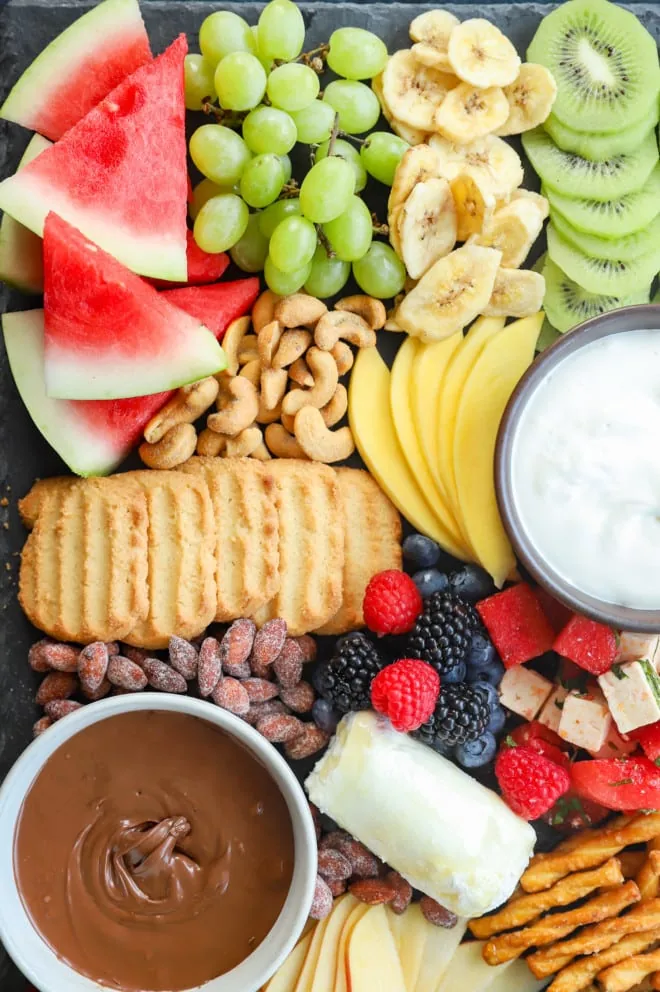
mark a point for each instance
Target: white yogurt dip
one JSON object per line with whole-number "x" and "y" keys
{"x": 586, "y": 469}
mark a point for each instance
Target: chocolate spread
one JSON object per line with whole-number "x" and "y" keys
{"x": 153, "y": 852}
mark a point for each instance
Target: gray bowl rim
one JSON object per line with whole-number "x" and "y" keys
{"x": 645, "y": 316}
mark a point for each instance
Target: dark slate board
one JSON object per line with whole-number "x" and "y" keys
{"x": 26, "y": 26}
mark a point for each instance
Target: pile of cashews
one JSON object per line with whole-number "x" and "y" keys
{"x": 280, "y": 395}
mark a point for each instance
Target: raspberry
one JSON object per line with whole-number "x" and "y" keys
{"x": 531, "y": 784}
{"x": 392, "y": 603}
{"x": 406, "y": 692}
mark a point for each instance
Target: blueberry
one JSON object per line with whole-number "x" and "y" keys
{"x": 456, "y": 674}
{"x": 446, "y": 750}
{"x": 481, "y": 650}
{"x": 430, "y": 581}
{"x": 477, "y": 753}
{"x": 420, "y": 551}
{"x": 324, "y": 716}
{"x": 491, "y": 693}
{"x": 472, "y": 583}
{"x": 492, "y": 672}
{"x": 497, "y": 720}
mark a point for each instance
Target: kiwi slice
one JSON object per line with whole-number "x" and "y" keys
{"x": 603, "y": 275}
{"x": 566, "y": 304}
{"x": 604, "y": 61}
{"x": 616, "y": 218}
{"x": 576, "y": 176}
{"x": 598, "y": 146}
{"x": 623, "y": 249}
{"x": 547, "y": 336}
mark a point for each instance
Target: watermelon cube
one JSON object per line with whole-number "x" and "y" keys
{"x": 618, "y": 783}
{"x": 649, "y": 738}
{"x": 589, "y": 644}
{"x": 517, "y": 625}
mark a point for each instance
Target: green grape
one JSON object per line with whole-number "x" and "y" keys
{"x": 266, "y": 129}
{"x": 285, "y": 283}
{"x": 281, "y": 31}
{"x": 356, "y": 104}
{"x": 314, "y": 123}
{"x": 287, "y": 167}
{"x": 262, "y": 180}
{"x": 381, "y": 273}
{"x": 350, "y": 234}
{"x": 350, "y": 155}
{"x": 219, "y": 153}
{"x": 293, "y": 87}
{"x": 381, "y": 153}
{"x": 356, "y": 53}
{"x": 240, "y": 81}
{"x": 203, "y": 191}
{"x": 276, "y": 213}
{"x": 327, "y": 189}
{"x": 222, "y": 33}
{"x": 328, "y": 275}
{"x": 197, "y": 81}
{"x": 250, "y": 252}
{"x": 267, "y": 63}
{"x": 293, "y": 244}
{"x": 221, "y": 222}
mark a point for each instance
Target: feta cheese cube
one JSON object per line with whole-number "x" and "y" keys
{"x": 614, "y": 745}
{"x": 550, "y": 715}
{"x": 585, "y": 721}
{"x": 632, "y": 691}
{"x": 524, "y": 691}
{"x": 634, "y": 647}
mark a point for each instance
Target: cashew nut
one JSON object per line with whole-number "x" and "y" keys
{"x": 261, "y": 453}
{"x": 324, "y": 369}
{"x": 252, "y": 371}
{"x": 268, "y": 340}
{"x": 300, "y": 373}
{"x": 299, "y": 310}
{"x": 333, "y": 411}
{"x": 372, "y": 311}
{"x": 341, "y": 324}
{"x": 262, "y": 311}
{"x": 244, "y": 443}
{"x": 187, "y": 404}
{"x": 319, "y": 443}
{"x": 232, "y": 340}
{"x": 248, "y": 349}
{"x": 175, "y": 448}
{"x": 293, "y": 345}
{"x": 265, "y": 416}
{"x": 287, "y": 421}
{"x": 343, "y": 356}
{"x": 238, "y": 406}
{"x": 211, "y": 444}
{"x": 273, "y": 387}
{"x": 281, "y": 443}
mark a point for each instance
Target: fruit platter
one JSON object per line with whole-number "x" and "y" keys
{"x": 328, "y": 427}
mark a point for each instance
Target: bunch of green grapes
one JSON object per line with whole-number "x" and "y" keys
{"x": 315, "y": 235}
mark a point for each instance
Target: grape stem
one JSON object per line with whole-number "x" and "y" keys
{"x": 230, "y": 118}
{"x": 352, "y": 137}
{"x": 334, "y": 134}
{"x": 329, "y": 250}
{"x": 315, "y": 58}
{"x": 290, "y": 190}
{"x": 378, "y": 226}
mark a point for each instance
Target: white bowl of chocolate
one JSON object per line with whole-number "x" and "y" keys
{"x": 153, "y": 843}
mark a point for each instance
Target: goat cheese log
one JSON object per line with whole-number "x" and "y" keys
{"x": 450, "y": 837}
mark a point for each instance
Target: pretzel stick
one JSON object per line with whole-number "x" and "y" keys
{"x": 597, "y": 848}
{"x": 553, "y": 927}
{"x": 623, "y": 976}
{"x": 655, "y": 980}
{"x": 631, "y": 862}
{"x": 580, "y": 974}
{"x": 648, "y": 877}
{"x": 642, "y": 918}
{"x": 529, "y": 907}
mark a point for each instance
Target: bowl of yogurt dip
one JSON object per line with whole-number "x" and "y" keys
{"x": 577, "y": 469}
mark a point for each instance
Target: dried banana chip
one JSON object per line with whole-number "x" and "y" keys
{"x": 410, "y": 134}
{"x": 468, "y": 113}
{"x": 530, "y": 98}
{"x": 434, "y": 27}
{"x": 427, "y": 226}
{"x": 393, "y": 220}
{"x": 414, "y": 92}
{"x": 490, "y": 160}
{"x": 528, "y": 194}
{"x": 481, "y": 55}
{"x": 513, "y": 229}
{"x": 516, "y": 293}
{"x": 417, "y": 164}
{"x": 475, "y": 205}
{"x": 433, "y": 57}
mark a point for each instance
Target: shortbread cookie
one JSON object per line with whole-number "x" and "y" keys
{"x": 30, "y": 506}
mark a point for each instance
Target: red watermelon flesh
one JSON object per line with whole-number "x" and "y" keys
{"x": 108, "y": 334}
{"x": 120, "y": 174}
{"x": 217, "y": 305}
{"x": 79, "y": 68}
{"x": 203, "y": 267}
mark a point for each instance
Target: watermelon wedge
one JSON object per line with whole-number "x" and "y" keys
{"x": 109, "y": 334}
{"x": 120, "y": 174}
{"x": 21, "y": 251}
{"x": 79, "y": 68}
{"x": 203, "y": 267}
{"x": 217, "y": 305}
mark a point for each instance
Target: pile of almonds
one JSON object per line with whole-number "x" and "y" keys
{"x": 256, "y": 675}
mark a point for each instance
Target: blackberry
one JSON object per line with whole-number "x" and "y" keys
{"x": 443, "y": 632}
{"x": 461, "y": 714}
{"x": 345, "y": 679}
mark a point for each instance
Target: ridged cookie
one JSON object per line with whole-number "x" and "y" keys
{"x": 247, "y": 540}
{"x": 181, "y": 545}
{"x": 372, "y": 543}
{"x": 311, "y": 532}
{"x": 30, "y": 506}
{"x": 84, "y": 566}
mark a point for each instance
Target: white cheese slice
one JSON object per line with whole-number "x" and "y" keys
{"x": 585, "y": 721}
{"x": 550, "y": 715}
{"x": 469, "y": 971}
{"x": 633, "y": 647}
{"x": 524, "y": 691}
{"x": 449, "y": 836}
{"x": 439, "y": 949}
{"x": 632, "y": 691}
{"x": 518, "y": 978}
{"x": 614, "y": 745}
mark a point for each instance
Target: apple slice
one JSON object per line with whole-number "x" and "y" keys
{"x": 326, "y": 963}
{"x": 439, "y": 949}
{"x": 468, "y": 970}
{"x": 306, "y": 976}
{"x": 341, "y": 973}
{"x": 517, "y": 978}
{"x": 412, "y": 943}
{"x": 373, "y": 960}
{"x": 289, "y": 972}
{"x": 428, "y": 375}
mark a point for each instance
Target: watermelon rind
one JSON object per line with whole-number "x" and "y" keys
{"x": 86, "y": 451}
{"x": 21, "y": 251}
{"x": 79, "y": 68}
